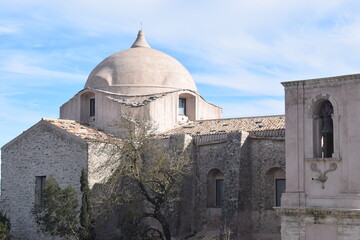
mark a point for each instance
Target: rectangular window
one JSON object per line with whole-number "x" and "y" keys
{"x": 219, "y": 192}
{"x": 280, "y": 189}
{"x": 39, "y": 187}
{"x": 92, "y": 107}
{"x": 182, "y": 106}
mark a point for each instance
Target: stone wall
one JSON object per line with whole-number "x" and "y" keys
{"x": 223, "y": 155}
{"x": 43, "y": 150}
{"x": 268, "y": 162}
{"x": 250, "y": 166}
{"x": 319, "y": 223}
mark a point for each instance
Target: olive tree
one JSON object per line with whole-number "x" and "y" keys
{"x": 147, "y": 170}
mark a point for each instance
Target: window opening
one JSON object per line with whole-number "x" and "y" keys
{"x": 182, "y": 106}
{"x": 327, "y": 136}
{"x": 280, "y": 189}
{"x": 92, "y": 107}
{"x": 39, "y": 190}
{"x": 219, "y": 192}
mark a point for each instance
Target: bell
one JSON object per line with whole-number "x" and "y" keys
{"x": 328, "y": 126}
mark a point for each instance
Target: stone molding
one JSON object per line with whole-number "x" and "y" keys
{"x": 318, "y": 212}
{"x": 316, "y": 160}
{"x": 323, "y": 82}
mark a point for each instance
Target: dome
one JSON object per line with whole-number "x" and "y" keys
{"x": 140, "y": 70}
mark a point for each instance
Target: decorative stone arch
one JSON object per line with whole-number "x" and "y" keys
{"x": 87, "y": 108}
{"x": 313, "y": 113}
{"x": 215, "y": 188}
{"x": 316, "y": 102}
{"x": 189, "y": 101}
{"x": 272, "y": 193}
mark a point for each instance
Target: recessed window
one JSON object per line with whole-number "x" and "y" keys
{"x": 39, "y": 188}
{"x": 324, "y": 130}
{"x": 182, "y": 106}
{"x": 92, "y": 107}
{"x": 279, "y": 190}
{"x": 215, "y": 188}
{"x": 219, "y": 192}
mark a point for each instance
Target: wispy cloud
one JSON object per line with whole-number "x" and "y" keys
{"x": 249, "y": 46}
{"x": 6, "y": 30}
{"x": 21, "y": 67}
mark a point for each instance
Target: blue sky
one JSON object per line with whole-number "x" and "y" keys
{"x": 237, "y": 51}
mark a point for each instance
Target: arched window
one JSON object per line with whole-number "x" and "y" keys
{"x": 274, "y": 187}
{"x": 87, "y": 108}
{"x": 215, "y": 188}
{"x": 324, "y": 130}
{"x": 186, "y": 107}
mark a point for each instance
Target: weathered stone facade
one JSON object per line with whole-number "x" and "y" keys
{"x": 42, "y": 150}
{"x": 319, "y": 223}
{"x": 235, "y": 162}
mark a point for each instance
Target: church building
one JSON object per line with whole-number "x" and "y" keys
{"x": 238, "y": 175}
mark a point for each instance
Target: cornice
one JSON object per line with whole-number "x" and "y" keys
{"x": 318, "y": 212}
{"x": 322, "y": 82}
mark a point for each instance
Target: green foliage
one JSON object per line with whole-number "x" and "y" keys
{"x": 87, "y": 231}
{"x": 133, "y": 227}
{"x": 4, "y": 227}
{"x": 58, "y": 215}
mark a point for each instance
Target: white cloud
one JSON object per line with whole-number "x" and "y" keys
{"x": 247, "y": 45}
{"x": 6, "y": 30}
{"x": 23, "y": 65}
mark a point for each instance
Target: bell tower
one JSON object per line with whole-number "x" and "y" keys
{"x": 322, "y": 197}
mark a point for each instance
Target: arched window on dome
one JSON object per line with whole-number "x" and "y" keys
{"x": 186, "y": 107}
{"x": 87, "y": 108}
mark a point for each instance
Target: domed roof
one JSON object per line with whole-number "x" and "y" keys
{"x": 140, "y": 70}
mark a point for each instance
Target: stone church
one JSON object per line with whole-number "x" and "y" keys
{"x": 239, "y": 178}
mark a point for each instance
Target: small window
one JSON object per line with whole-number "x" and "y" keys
{"x": 92, "y": 107}
{"x": 279, "y": 190}
{"x": 215, "y": 188}
{"x": 182, "y": 106}
{"x": 39, "y": 188}
{"x": 219, "y": 192}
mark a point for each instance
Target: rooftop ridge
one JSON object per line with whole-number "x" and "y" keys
{"x": 310, "y": 80}
{"x": 233, "y": 118}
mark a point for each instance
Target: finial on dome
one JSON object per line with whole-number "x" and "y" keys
{"x": 140, "y": 41}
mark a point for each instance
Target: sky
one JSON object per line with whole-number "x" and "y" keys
{"x": 237, "y": 51}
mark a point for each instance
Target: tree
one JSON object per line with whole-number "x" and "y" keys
{"x": 4, "y": 227}
{"x": 58, "y": 213}
{"x": 86, "y": 231}
{"x": 146, "y": 170}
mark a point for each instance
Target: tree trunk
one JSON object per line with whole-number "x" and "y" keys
{"x": 165, "y": 226}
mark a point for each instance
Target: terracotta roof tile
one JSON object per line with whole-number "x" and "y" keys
{"x": 78, "y": 129}
{"x": 258, "y": 126}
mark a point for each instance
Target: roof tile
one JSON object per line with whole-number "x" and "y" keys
{"x": 75, "y": 128}
{"x": 256, "y": 126}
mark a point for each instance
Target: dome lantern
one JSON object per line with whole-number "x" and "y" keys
{"x": 140, "y": 41}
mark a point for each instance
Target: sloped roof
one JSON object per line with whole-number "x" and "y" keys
{"x": 77, "y": 129}
{"x": 266, "y": 126}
